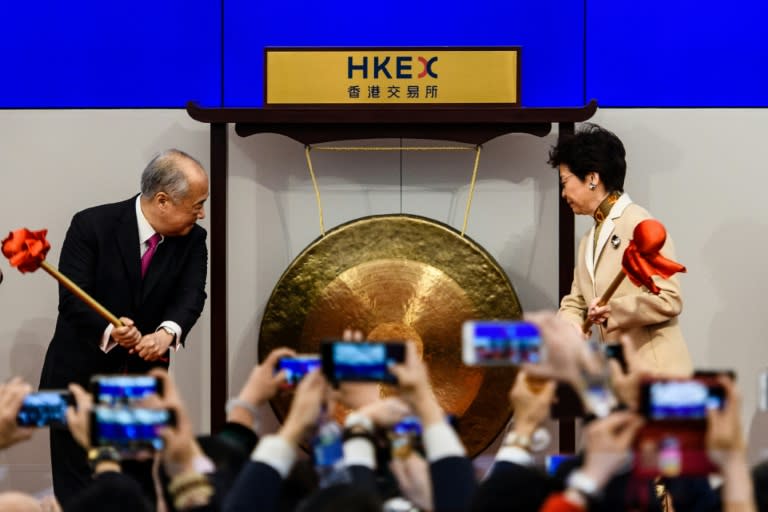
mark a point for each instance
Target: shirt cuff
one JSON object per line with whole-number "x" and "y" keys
{"x": 200, "y": 464}
{"x": 515, "y": 455}
{"x": 441, "y": 441}
{"x": 176, "y": 328}
{"x": 359, "y": 451}
{"x": 107, "y": 343}
{"x": 276, "y": 452}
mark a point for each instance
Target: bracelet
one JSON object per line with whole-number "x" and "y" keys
{"x": 185, "y": 481}
{"x": 357, "y": 420}
{"x": 195, "y": 496}
{"x": 102, "y": 454}
{"x": 239, "y": 402}
{"x": 537, "y": 442}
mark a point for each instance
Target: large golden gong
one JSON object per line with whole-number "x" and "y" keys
{"x": 407, "y": 275}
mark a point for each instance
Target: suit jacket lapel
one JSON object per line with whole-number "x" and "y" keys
{"x": 594, "y": 251}
{"x": 609, "y": 225}
{"x": 605, "y": 231}
{"x": 128, "y": 241}
{"x": 158, "y": 267}
{"x": 589, "y": 259}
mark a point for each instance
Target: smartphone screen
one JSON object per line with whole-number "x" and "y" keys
{"x": 681, "y": 399}
{"x": 297, "y": 367}
{"x": 408, "y": 426}
{"x": 45, "y": 408}
{"x": 500, "y": 343}
{"x": 361, "y": 361}
{"x": 113, "y": 389}
{"x": 132, "y": 431}
{"x": 405, "y": 437}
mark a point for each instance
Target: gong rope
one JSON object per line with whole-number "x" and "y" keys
{"x": 308, "y": 148}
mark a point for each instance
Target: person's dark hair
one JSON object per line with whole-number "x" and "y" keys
{"x": 341, "y": 497}
{"x": 516, "y": 487}
{"x": 592, "y": 149}
{"x": 110, "y": 491}
{"x": 163, "y": 174}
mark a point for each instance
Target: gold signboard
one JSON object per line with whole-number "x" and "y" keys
{"x": 372, "y": 76}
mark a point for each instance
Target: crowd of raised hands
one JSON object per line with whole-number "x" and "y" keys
{"x": 241, "y": 468}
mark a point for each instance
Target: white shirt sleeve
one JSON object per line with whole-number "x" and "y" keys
{"x": 107, "y": 343}
{"x": 176, "y": 328}
{"x": 275, "y": 451}
{"x": 441, "y": 441}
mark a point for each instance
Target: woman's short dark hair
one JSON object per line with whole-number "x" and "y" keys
{"x": 592, "y": 149}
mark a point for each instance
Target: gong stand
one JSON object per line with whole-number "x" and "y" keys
{"x": 312, "y": 124}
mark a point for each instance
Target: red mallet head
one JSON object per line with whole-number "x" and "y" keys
{"x": 642, "y": 258}
{"x": 26, "y": 249}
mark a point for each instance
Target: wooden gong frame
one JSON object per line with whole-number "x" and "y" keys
{"x": 311, "y": 124}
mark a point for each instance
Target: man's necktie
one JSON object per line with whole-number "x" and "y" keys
{"x": 147, "y": 257}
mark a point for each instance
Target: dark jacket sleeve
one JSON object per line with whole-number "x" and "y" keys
{"x": 511, "y": 486}
{"x": 453, "y": 483}
{"x": 190, "y": 295}
{"x": 257, "y": 483}
{"x": 364, "y": 478}
{"x": 111, "y": 491}
{"x": 78, "y": 261}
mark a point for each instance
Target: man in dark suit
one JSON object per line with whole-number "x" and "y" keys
{"x": 145, "y": 259}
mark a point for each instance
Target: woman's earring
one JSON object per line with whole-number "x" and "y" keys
{"x": 592, "y": 186}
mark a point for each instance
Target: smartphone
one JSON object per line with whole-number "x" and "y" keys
{"x": 672, "y": 443}
{"x": 297, "y": 367}
{"x": 115, "y": 389}
{"x": 405, "y": 437}
{"x": 616, "y": 351}
{"x": 713, "y": 374}
{"x": 46, "y": 408}
{"x": 500, "y": 343}
{"x": 361, "y": 361}
{"x": 132, "y": 431}
{"x": 680, "y": 399}
{"x": 552, "y": 462}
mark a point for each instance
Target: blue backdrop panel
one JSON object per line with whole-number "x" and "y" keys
{"x": 138, "y": 53}
{"x": 680, "y": 53}
{"x": 550, "y": 33}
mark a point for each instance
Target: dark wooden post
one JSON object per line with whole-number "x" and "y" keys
{"x": 218, "y": 265}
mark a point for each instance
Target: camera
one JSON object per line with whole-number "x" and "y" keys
{"x": 361, "y": 361}
{"x": 45, "y": 408}
{"x": 500, "y": 343}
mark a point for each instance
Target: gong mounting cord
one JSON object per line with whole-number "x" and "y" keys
{"x": 308, "y": 148}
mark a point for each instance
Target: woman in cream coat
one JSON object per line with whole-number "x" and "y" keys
{"x": 592, "y": 168}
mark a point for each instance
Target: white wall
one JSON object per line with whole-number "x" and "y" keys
{"x": 693, "y": 169}
{"x": 52, "y": 164}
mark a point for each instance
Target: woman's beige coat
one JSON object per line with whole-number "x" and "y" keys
{"x": 649, "y": 320}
